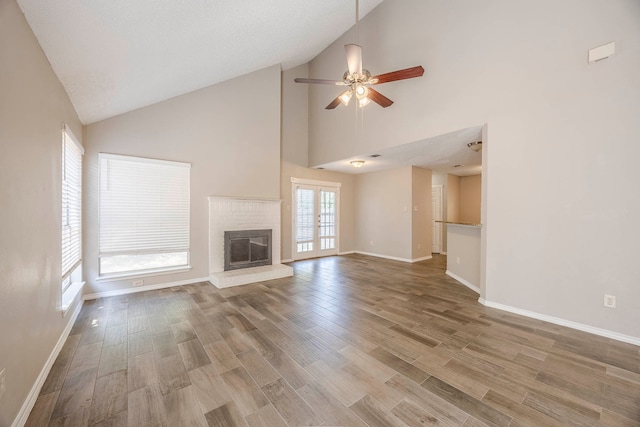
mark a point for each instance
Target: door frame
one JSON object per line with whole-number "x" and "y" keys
{"x": 319, "y": 185}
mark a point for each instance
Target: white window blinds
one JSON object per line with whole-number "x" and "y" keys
{"x": 72, "y": 153}
{"x": 144, "y": 214}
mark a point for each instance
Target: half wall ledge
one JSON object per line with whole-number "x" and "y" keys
{"x": 245, "y": 276}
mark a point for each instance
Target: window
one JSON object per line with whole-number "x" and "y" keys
{"x": 143, "y": 214}
{"x": 71, "y": 246}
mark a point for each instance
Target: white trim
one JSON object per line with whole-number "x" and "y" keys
{"x": 30, "y": 401}
{"x": 315, "y": 182}
{"x": 562, "y": 322}
{"x": 468, "y": 284}
{"x": 347, "y": 253}
{"x": 146, "y": 273}
{"x": 284, "y": 261}
{"x": 66, "y": 129}
{"x": 137, "y": 289}
{"x": 443, "y": 253}
{"x": 136, "y": 159}
{"x": 408, "y": 260}
{"x": 74, "y": 289}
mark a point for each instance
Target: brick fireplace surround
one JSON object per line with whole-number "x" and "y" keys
{"x": 233, "y": 214}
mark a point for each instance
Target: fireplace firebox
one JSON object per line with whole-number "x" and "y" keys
{"x": 246, "y": 248}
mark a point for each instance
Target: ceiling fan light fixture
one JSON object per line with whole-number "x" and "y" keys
{"x": 361, "y": 91}
{"x": 345, "y": 97}
{"x": 363, "y": 102}
{"x": 357, "y": 163}
{"x": 475, "y": 146}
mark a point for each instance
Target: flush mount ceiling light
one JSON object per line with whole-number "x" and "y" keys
{"x": 475, "y": 146}
{"x": 357, "y": 163}
{"x": 359, "y": 80}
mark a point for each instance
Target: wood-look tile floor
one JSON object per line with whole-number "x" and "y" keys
{"x": 348, "y": 341}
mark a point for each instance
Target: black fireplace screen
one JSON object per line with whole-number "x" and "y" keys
{"x": 246, "y": 248}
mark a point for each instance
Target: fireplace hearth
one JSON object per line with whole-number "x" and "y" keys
{"x": 246, "y": 249}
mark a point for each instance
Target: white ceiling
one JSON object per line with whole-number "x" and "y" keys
{"x": 119, "y": 55}
{"x": 445, "y": 153}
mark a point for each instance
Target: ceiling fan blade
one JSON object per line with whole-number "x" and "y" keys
{"x": 354, "y": 58}
{"x": 333, "y": 104}
{"x": 320, "y": 81}
{"x": 379, "y": 98}
{"x": 407, "y": 73}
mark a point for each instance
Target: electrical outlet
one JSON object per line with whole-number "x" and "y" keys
{"x": 610, "y": 301}
{"x": 138, "y": 282}
{"x": 3, "y": 385}
{"x": 371, "y": 242}
{"x": 419, "y": 246}
{"x": 458, "y": 260}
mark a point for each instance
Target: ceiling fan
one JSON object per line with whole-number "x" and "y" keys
{"x": 359, "y": 80}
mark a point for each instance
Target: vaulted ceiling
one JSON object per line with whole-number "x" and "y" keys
{"x": 119, "y": 55}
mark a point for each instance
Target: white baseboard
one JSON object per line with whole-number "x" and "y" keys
{"x": 468, "y": 284}
{"x": 562, "y": 322}
{"x": 29, "y": 403}
{"x": 347, "y": 253}
{"x": 393, "y": 257}
{"x": 137, "y": 289}
{"x": 285, "y": 261}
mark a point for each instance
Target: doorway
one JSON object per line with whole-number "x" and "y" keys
{"x": 315, "y": 218}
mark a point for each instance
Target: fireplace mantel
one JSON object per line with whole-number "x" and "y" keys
{"x": 236, "y": 214}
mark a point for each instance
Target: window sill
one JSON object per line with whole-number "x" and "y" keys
{"x": 69, "y": 296}
{"x": 140, "y": 274}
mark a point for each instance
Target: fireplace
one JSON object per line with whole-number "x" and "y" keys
{"x": 247, "y": 248}
{"x": 235, "y": 213}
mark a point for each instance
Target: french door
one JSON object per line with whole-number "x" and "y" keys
{"x": 315, "y": 219}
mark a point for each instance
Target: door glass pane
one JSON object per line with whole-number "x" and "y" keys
{"x": 327, "y": 219}
{"x": 305, "y": 221}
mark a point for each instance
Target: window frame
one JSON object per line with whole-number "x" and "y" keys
{"x": 137, "y": 161}
{"x": 71, "y": 217}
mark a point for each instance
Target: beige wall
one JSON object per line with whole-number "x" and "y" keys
{"x": 453, "y": 198}
{"x": 544, "y": 105}
{"x": 470, "y": 198}
{"x": 422, "y": 213}
{"x": 33, "y": 106}
{"x": 383, "y": 213}
{"x": 295, "y": 117}
{"x": 463, "y": 257}
{"x": 229, "y": 132}
{"x": 393, "y": 213}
